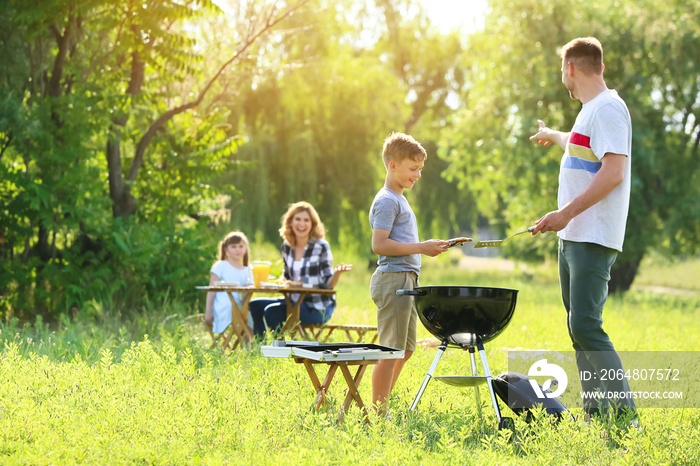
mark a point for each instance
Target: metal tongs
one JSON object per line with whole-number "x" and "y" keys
{"x": 457, "y": 242}
{"x": 499, "y": 242}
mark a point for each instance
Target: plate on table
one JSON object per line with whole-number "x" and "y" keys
{"x": 270, "y": 285}
{"x": 223, "y": 283}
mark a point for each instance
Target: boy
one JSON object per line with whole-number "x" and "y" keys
{"x": 395, "y": 241}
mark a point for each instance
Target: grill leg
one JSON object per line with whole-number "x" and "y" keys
{"x": 489, "y": 380}
{"x": 477, "y": 396}
{"x": 429, "y": 375}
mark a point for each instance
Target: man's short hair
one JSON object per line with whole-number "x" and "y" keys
{"x": 400, "y": 146}
{"x": 586, "y": 53}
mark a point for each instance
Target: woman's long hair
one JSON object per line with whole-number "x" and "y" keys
{"x": 318, "y": 231}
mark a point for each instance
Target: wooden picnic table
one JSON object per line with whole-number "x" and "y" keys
{"x": 239, "y": 315}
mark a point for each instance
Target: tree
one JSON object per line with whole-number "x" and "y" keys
{"x": 150, "y": 36}
{"x": 363, "y": 70}
{"x": 514, "y": 79}
{"x": 89, "y": 103}
{"x": 314, "y": 128}
{"x": 658, "y": 70}
{"x": 427, "y": 63}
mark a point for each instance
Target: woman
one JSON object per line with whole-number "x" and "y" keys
{"x": 307, "y": 258}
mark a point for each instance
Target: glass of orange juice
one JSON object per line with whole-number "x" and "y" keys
{"x": 261, "y": 271}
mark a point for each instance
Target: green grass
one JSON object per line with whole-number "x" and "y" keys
{"x": 657, "y": 270}
{"x": 103, "y": 393}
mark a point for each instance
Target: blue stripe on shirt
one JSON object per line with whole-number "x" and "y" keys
{"x": 579, "y": 164}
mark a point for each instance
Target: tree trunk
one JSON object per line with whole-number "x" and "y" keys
{"x": 123, "y": 203}
{"x": 623, "y": 273}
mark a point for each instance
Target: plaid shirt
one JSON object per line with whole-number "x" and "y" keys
{"x": 316, "y": 269}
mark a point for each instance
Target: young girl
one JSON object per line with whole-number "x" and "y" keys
{"x": 232, "y": 267}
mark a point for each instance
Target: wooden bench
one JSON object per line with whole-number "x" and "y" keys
{"x": 323, "y": 332}
{"x": 317, "y": 332}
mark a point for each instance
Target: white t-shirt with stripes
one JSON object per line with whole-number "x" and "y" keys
{"x": 602, "y": 126}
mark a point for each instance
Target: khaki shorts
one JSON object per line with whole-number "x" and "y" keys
{"x": 397, "y": 317}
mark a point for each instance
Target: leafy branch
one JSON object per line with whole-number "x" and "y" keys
{"x": 256, "y": 29}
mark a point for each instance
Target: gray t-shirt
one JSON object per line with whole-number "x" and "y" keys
{"x": 390, "y": 211}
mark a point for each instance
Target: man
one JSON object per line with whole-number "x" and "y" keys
{"x": 593, "y": 201}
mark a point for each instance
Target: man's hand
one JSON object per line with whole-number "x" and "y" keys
{"x": 546, "y": 136}
{"x": 553, "y": 221}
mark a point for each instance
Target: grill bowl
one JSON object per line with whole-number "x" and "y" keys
{"x": 464, "y": 315}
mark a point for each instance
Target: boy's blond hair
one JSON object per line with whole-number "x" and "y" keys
{"x": 400, "y": 146}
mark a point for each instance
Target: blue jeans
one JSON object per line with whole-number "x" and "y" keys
{"x": 274, "y": 312}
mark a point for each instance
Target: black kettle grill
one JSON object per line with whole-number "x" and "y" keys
{"x": 466, "y": 317}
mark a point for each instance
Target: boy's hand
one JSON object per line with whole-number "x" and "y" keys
{"x": 457, "y": 242}
{"x": 433, "y": 247}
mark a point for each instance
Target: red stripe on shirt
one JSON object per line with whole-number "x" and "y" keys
{"x": 580, "y": 140}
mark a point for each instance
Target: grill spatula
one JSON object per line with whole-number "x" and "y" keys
{"x": 499, "y": 242}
